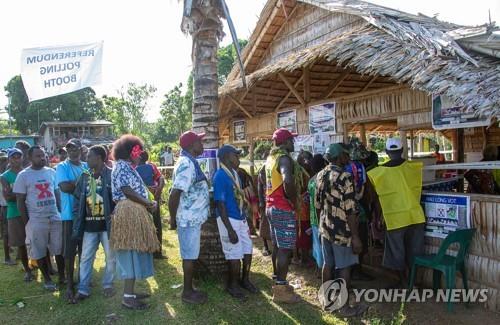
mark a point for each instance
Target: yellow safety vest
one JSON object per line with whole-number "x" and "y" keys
{"x": 399, "y": 189}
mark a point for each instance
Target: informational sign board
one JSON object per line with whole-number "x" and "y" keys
{"x": 304, "y": 142}
{"x": 447, "y": 115}
{"x": 445, "y": 213}
{"x": 209, "y": 163}
{"x": 52, "y": 71}
{"x": 322, "y": 118}
{"x": 287, "y": 120}
{"x": 321, "y": 142}
{"x": 239, "y": 131}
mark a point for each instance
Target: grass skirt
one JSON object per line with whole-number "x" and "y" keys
{"x": 132, "y": 228}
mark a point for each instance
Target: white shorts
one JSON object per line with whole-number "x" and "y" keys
{"x": 244, "y": 244}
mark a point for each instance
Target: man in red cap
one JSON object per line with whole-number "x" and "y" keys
{"x": 189, "y": 206}
{"x": 281, "y": 203}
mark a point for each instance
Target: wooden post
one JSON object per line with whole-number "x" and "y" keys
{"x": 363, "y": 134}
{"x": 346, "y": 133}
{"x": 460, "y": 157}
{"x": 307, "y": 85}
{"x": 404, "y": 142}
{"x": 412, "y": 145}
{"x": 252, "y": 161}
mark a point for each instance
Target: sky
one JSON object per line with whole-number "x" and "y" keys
{"x": 143, "y": 42}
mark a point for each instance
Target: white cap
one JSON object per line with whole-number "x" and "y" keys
{"x": 393, "y": 144}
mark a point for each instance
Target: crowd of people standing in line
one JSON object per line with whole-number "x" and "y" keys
{"x": 322, "y": 206}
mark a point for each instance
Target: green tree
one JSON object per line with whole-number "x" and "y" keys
{"x": 175, "y": 112}
{"x": 127, "y": 110}
{"x": 225, "y": 60}
{"x": 79, "y": 105}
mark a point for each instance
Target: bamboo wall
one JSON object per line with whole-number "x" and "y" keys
{"x": 310, "y": 26}
{"x": 407, "y": 108}
{"x": 474, "y": 139}
{"x": 483, "y": 263}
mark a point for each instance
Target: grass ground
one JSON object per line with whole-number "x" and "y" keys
{"x": 166, "y": 305}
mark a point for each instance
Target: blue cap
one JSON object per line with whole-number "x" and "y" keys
{"x": 13, "y": 151}
{"x": 227, "y": 148}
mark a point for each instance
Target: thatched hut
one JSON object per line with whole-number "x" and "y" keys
{"x": 381, "y": 68}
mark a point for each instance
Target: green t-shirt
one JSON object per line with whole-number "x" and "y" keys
{"x": 311, "y": 188}
{"x": 12, "y": 210}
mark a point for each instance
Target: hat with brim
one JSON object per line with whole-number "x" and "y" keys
{"x": 227, "y": 149}
{"x": 189, "y": 137}
{"x": 74, "y": 142}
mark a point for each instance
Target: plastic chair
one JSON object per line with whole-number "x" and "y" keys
{"x": 446, "y": 264}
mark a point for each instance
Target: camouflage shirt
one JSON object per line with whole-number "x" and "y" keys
{"x": 335, "y": 197}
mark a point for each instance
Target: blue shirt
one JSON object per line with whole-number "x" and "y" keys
{"x": 124, "y": 175}
{"x": 224, "y": 192}
{"x": 67, "y": 172}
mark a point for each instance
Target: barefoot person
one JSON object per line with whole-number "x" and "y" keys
{"x": 232, "y": 223}
{"x": 38, "y": 203}
{"x": 189, "y": 207}
{"x": 133, "y": 234}
{"x": 92, "y": 221}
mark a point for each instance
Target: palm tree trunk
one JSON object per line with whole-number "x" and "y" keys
{"x": 206, "y": 30}
{"x": 205, "y": 27}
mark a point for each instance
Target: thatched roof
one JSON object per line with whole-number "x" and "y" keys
{"x": 425, "y": 53}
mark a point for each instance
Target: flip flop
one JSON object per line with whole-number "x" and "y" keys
{"x": 50, "y": 287}
{"x": 237, "y": 294}
{"x": 28, "y": 277}
{"x": 142, "y": 295}
{"x": 197, "y": 298}
{"x": 10, "y": 262}
{"x": 134, "y": 304}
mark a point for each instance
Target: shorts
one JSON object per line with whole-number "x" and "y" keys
{"x": 43, "y": 233}
{"x": 337, "y": 256}
{"x": 189, "y": 242}
{"x": 17, "y": 232}
{"x": 3, "y": 220}
{"x": 402, "y": 245}
{"x": 244, "y": 245}
{"x": 70, "y": 246}
{"x": 283, "y": 228}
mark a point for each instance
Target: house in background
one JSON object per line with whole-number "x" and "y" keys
{"x": 54, "y": 135}
{"x": 9, "y": 141}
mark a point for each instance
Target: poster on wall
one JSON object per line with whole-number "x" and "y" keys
{"x": 287, "y": 120}
{"x": 445, "y": 213}
{"x": 447, "y": 115}
{"x": 320, "y": 142}
{"x": 304, "y": 142}
{"x": 322, "y": 118}
{"x": 209, "y": 163}
{"x": 239, "y": 131}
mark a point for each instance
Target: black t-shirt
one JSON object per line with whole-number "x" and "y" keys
{"x": 95, "y": 221}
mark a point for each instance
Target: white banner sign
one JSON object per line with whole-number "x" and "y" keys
{"x": 52, "y": 71}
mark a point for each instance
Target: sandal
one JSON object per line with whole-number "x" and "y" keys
{"x": 142, "y": 295}
{"x": 237, "y": 293}
{"x": 10, "y": 262}
{"x": 80, "y": 296}
{"x": 249, "y": 286}
{"x": 28, "y": 277}
{"x": 266, "y": 253}
{"x": 110, "y": 292}
{"x": 134, "y": 304}
{"x": 50, "y": 286}
{"x": 195, "y": 298}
